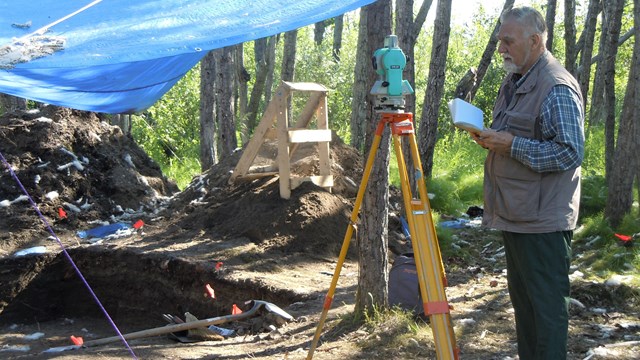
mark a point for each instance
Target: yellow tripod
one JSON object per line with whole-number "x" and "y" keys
{"x": 430, "y": 269}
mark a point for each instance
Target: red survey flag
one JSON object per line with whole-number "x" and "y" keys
{"x": 138, "y": 224}
{"x": 212, "y": 293}
{"x": 624, "y": 238}
{"x": 61, "y": 213}
{"x": 235, "y": 310}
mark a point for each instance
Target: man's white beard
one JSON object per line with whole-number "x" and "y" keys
{"x": 511, "y": 67}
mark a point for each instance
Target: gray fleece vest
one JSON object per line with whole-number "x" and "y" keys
{"x": 518, "y": 199}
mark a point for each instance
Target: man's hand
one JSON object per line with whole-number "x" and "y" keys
{"x": 498, "y": 141}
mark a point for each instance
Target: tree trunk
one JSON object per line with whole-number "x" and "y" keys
{"x": 289, "y": 63}
{"x": 431, "y": 108}
{"x": 123, "y": 121}
{"x": 407, "y": 30}
{"x": 224, "y": 70}
{"x": 588, "y": 34}
{"x": 570, "y": 36}
{"x": 318, "y": 32}
{"x": 208, "y": 148}
{"x": 289, "y": 55}
{"x": 625, "y": 160}
{"x": 360, "y": 90}
{"x": 603, "y": 100}
{"x": 551, "y": 22}
{"x": 260, "y": 49}
{"x": 242, "y": 89}
{"x": 373, "y": 276}
{"x": 10, "y": 103}
{"x": 271, "y": 62}
{"x": 337, "y": 36}
{"x": 489, "y": 51}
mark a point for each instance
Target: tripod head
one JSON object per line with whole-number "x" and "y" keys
{"x": 390, "y": 88}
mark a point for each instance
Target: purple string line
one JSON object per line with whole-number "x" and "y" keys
{"x": 66, "y": 254}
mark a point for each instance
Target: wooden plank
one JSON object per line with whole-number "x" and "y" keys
{"x": 323, "y": 147}
{"x": 325, "y": 181}
{"x": 253, "y": 176}
{"x": 304, "y": 86}
{"x": 251, "y": 151}
{"x": 309, "y": 135}
{"x": 310, "y": 108}
{"x": 284, "y": 165}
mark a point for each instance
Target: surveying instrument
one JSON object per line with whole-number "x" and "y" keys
{"x": 389, "y": 91}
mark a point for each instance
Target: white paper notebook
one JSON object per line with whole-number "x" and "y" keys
{"x": 466, "y": 116}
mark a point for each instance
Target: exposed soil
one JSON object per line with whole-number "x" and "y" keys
{"x": 241, "y": 239}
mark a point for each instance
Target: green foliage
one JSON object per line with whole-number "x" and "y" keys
{"x": 169, "y": 131}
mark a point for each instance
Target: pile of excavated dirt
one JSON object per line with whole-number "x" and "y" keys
{"x": 241, "y": 240}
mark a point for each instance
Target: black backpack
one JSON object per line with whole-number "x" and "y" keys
{"x": 404, "y": 289}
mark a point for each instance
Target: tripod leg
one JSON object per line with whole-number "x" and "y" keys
{"x": 430, "y": 269}
{"x": 347, "y": 237}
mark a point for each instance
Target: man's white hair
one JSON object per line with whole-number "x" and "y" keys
{"x": 531, "y": 19}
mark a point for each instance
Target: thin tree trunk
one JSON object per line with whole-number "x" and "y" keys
{"x": 224, "y": 70}
{"x": 570, "y": 36}
{"x": 431, "y": 108}
{"x": 360, "y": 89}
{"x": 242, "y": 89}
{"x": 408, "y": 30}
{"x": 271, "y": 62}
{"x": 337, "y": 36}
{"x": 289, "y": 56}
{"x": 318, "y": 32}
{"x": 260, "y": 49}
{"x": 625, "y": 160}
{"x": 588, "y": 34}
{"x": 551, "y": 22}
{"x": 208, "y": 148}
{"x": 603, "y": 101}
{"x": 373, "y": 276}
{"x": 489, "y": 51}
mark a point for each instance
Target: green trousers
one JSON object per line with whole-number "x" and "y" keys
{"x": 538, "y": 280}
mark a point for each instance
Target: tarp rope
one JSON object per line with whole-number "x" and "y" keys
{"x": 46, "y": 28}
{"x": 66, "y": 254}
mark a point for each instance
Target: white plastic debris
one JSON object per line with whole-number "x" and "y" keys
{"x": 71, "y": 207}
{"x": 576, "y": 275}
{"x": 34, "y": 336}
{"x": 52, "y": 195}
{"x": 19, "y": 348}
{"x": 43, "y": 119}
{"x": 5, "y": 203}
{"x": 37, "y": 179}
{"x": 20, "y": 198}
{"x": 33, "y": 250}
{"x": 127, "y": 159}
{"x": 577, "y": 303}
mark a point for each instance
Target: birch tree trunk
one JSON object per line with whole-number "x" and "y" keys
{"x": 431, "y": 108}
{"x": 262, "y": 68}
{"x": 241, "y": 88}
{"x": 408, "y": 30}
{"x": 337, "y": 36}
{"x": 603, "y": 99}
{"x": 208, "y": 149}
{"x": 360, "y": 90}
{"x": 225, "y": 115}
{"x": 588, "y": 37}
{"x": 551, "y": 22}
{"x": 372, "y": 244}
{"x": 625, "y": 160}
{"x": 570, "y": 36}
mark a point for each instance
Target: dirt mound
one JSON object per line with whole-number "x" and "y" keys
{"x": 70, "y": 160}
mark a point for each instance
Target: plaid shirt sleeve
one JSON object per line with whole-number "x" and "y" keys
{"x": 562, "y": 147}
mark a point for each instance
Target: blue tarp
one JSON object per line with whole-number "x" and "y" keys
{"x": 118, "y": 56}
